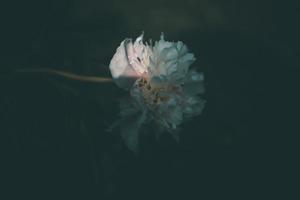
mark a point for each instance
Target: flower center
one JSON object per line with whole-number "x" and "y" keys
{"x": 152, "y": 95}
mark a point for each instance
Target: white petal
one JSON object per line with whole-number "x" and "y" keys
{"x": 194, "y": 83}
{"x": 130, "y": 131}
{"x": 194, "y": 107}
{"x": 120, "y": 68}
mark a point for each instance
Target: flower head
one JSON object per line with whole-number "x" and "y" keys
{"x": 163, "y": 90}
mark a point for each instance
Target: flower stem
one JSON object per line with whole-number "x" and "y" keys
{"x": 94, "y": 79}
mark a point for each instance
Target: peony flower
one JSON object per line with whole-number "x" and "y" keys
{"x": 164, "y": 91}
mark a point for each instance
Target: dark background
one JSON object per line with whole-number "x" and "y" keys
{"x": 53, "y": 139}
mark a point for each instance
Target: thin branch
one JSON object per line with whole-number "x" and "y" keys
{"x": 94, "y": 79}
